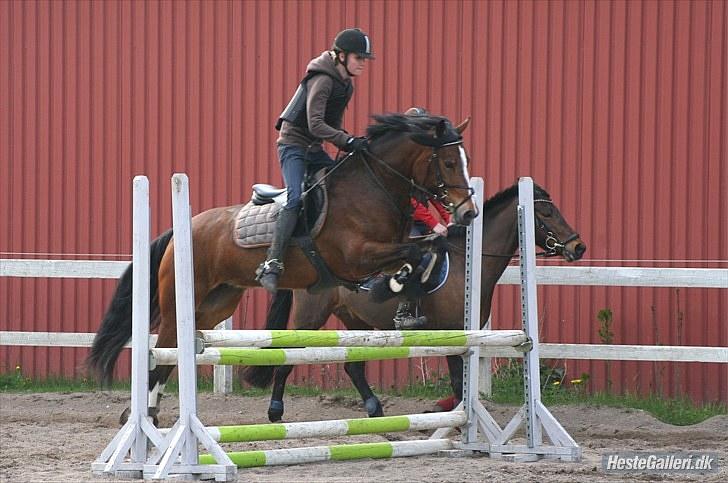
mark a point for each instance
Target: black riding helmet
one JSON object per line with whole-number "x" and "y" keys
{"x": 354, "y": 41}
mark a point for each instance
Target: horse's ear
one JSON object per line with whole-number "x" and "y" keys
{"x": 441, "y": 128}
{"x": 463, "y": 125}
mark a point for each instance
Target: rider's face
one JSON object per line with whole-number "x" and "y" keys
{"x": 355, "y": 64}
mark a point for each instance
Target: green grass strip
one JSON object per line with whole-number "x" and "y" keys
{"x": 373, "y": 353}
{"x": 253, "y": 432}
{"x": 434, "y": 338}
{"x": 361, "y": 450}
{"x": 378, "y": 425}
{"x": 304, "y": 338}
{"x": 242, "y": 459}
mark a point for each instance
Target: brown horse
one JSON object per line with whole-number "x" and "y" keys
{"x": 368, "y": 195}
{"x": 444, "y": 308}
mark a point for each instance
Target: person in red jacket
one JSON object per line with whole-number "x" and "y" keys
{"x": 424, "y": 223}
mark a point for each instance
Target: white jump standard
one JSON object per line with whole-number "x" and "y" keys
{"x": 176, "y": 448}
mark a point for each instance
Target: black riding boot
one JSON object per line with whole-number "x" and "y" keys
{"x": 268, "y": 271}
{"x": 404, "y": 319}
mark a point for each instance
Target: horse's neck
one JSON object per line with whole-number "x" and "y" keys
{"x": 500, "y": 236}
{"x": 376, "y": 186}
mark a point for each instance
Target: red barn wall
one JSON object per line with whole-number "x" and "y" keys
{"x": 617, "y": 108}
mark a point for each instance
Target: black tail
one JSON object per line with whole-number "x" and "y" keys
{"x": 115, "y": 330}
{"x": 278, "y": 313}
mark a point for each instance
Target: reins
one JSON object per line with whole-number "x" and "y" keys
{"x": 552, "y": 242}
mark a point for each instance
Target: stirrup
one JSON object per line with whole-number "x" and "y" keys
{"x": 269, "y": 267}
{"x": 409, "y": 322}
{"x": 404, "y": 320}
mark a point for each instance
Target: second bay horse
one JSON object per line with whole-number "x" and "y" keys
{"x": 444, "y": 308}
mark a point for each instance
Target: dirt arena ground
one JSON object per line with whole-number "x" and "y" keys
{"x": 56, "y": 436}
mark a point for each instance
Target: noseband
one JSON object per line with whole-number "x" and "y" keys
{"x": 441, "y": 186}
{"x": 552, "y": 242}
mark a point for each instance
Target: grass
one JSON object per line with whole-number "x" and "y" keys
{"x": 507, "y": 389}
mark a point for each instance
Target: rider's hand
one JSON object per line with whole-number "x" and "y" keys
{"x": 356, "y": 144}
{"x": 440, "y": 229}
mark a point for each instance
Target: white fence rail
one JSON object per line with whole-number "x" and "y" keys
{"x": 548, "y": 350}
{"x": 581, "y": 276}
{"x": 611, "y": 276}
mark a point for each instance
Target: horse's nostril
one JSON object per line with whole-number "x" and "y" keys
{"x": 469, "y": 216}
{"x": 580, "y": 249}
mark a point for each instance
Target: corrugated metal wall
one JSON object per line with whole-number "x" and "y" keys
{"x": 617, "y": 108}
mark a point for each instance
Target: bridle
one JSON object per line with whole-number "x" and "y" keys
{"x": 417, "y": 190}
{"x": 551, "y": 241}
{"x": 441, "y": 186}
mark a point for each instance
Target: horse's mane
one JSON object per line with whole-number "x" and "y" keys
{"x": 495, "y": 200}
{"x": 418, "y": 127}
{"x": 511, "y": 192}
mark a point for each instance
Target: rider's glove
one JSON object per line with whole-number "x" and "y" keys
{"x": 356, "y": 144}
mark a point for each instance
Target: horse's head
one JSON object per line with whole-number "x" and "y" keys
{"x": 434, "y": 159}
{"x": 553, "y": 233}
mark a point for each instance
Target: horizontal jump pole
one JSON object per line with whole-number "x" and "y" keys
{"x": 363, "y": 338}
{"x": 239, "y": 356}
{"x": 336, "y": 427}
{"x": 342, "y": 452}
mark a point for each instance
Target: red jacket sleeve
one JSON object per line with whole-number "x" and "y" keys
{"x": 422, "y": 213}
{"x": 442, "y": 210}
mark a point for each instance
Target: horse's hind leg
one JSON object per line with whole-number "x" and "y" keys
{"x": 310, "y": 312}
{"x": 455, "y": 367}
{"x": 356, "y": 372}
{"x": 280, "y": 375}
{"x": 218, "y": 304}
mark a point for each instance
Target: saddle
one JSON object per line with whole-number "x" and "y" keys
{"x": 256, "y": 220}
{"x": 255, "y": 224}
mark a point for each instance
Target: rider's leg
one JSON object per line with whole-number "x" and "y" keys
{"x": 293, "y": 166}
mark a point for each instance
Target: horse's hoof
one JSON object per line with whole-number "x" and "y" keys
{"x": 374, "y": 407}
{"x": 154, "y": 412}
{"x": 124, "y": 416}
{"x": 275, "y": 411}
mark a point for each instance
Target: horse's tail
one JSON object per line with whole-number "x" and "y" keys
{"x": 277, "y": 319}
{"x": 115, "y": 330}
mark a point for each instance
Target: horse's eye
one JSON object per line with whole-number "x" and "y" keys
{"x": 450, "y": 163}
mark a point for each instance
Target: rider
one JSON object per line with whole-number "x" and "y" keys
{"x": 313, "y": 115}
{"x": 423, "y": 223}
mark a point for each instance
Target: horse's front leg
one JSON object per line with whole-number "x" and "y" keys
{"x": 388, "y": 254}
{"x": 275, "y": 410}
{"x": 356, "y": 373}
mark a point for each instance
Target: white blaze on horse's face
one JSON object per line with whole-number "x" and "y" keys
{"x": 464, "y": 161}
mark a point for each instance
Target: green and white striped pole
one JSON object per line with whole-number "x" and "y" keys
{"x": 362, "y": 338}
{"x": 238, "y": 356}
{"x": 343, "y": 452}
{"x": 336, "y": 427}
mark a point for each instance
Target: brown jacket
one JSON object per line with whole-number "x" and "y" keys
{"x": 319, "y": 90}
